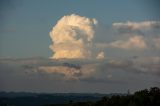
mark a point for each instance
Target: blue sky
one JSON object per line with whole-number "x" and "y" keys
{"x": 99, "y": 46}
{"x": 26, "y": 24}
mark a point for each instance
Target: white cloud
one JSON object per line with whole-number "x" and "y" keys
{"x": 68, "y": 72}
{"x": 148, "y": 30}
{"x": 132, "y": 43}
{"x": 137, "y": 25}
{"x": 135, "y": 42}
{"x": 100, "y": 55}
{"x": 72, "y": 37}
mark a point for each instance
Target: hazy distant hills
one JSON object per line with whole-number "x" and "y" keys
{"x": 38, "y": 99}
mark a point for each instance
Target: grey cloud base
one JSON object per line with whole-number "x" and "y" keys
{"x": 73, "y": 75}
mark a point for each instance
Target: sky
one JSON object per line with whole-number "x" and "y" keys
{"x": 79, "y": 45}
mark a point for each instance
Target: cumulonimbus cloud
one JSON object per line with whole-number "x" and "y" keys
{"x": 72, "y": 37}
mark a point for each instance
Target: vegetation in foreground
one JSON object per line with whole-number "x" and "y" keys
{"x": 144, "y": 97}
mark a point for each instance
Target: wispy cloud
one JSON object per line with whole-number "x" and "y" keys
{"x": 132, "y": 26}
{"x": 132, "y": 43}
{"x": 135, "y": 42}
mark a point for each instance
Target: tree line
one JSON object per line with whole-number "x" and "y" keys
{"x": 146, "y": 97}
